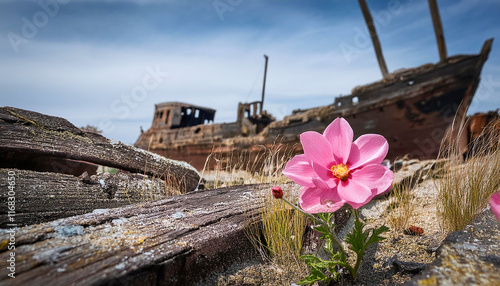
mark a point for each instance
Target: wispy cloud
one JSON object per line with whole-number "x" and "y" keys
{"x": 93, "y": 54}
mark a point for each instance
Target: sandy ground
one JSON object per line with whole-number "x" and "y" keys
{"x": 392, "y": 261}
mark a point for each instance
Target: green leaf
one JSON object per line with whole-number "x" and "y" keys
{"x": 310, "y": 258}
{"x": 338, "y": 257}
{"x": 357, "y": 237}
{"x": 323, "y": 229}
{"x": 328, "y": 250}
{"x": 375, "y": 237}
{"x": 326, "y": 217}
{"x": 315, "y": 276}
{"x": 334, "y": 272}
{"x": 316, "y": 266}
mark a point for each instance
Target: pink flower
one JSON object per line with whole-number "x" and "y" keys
{"x": 334, "y": 170}
{"x": 495, "y": 205}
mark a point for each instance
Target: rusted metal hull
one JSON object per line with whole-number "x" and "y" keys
{"x": 412, "y": 108}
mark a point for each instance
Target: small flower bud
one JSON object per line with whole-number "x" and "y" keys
{"x": 277, "y": 192}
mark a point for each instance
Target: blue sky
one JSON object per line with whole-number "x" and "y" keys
{"x": 106, "y": 63}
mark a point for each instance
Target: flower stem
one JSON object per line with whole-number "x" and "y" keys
{"x": 332, "y": 232}
{"x": 307, "y": 214}
{"x": 360, "y": 255}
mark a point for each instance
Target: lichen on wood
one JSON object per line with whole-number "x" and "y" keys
{"x": 175, "y": 241}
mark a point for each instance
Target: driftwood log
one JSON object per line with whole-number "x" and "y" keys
{"x": 42, "y": 196}
{"x": 34, "y": 141}
{"x": 176, "y": 241}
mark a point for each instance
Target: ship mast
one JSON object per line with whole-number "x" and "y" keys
{"x": 373, "y": 35}
{"x": 438, "y": 29}
{"x": 264, "y": 85}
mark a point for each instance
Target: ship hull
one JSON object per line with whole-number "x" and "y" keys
{"x": 413, "y": 110}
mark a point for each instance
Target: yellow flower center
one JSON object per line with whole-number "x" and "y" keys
{"x": 340, "y": 171}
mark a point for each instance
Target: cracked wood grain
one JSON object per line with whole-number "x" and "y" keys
{"x": 176, "y": 241}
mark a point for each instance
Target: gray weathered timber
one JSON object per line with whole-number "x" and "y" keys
{"x": 175, "y": 241}
{"x": 27, "y": 135}
{"x": 43, "y": 196}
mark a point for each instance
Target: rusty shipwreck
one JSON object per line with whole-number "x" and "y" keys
{"x": 413, "y": 108}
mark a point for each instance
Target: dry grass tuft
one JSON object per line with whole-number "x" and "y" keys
{"x": 402, "y": 201}
{"x": 466, "y": 186}
{"x": 401, "y": 207}
{"x": 283, "y": 230}
{"x": 150, "y": 191}
{"x": 232, "y": 167}
{"x": 280, "y": 236}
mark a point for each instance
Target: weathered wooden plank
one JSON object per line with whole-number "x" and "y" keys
{"x": 175, "y": 241}
{"x": 26, "y": 135}
{"x": 43, "y": 196}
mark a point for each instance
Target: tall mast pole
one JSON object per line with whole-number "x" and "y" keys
{"x": 264, "y": 85}
{"x": 373, "y": 35}
{"x": 438, "y": 29}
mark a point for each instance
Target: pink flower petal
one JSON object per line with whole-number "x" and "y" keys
{"x": 320, "y": 198}
{"x": 329, "y": 192}
{"x": 495, "y": 205}
{"x": 376, "y": 177}
{"x": 339, "y": 133}
{"x": 316, "y": 206}
{"x": 324, "y": 192}
{"x": 325, "y": 175}
{"x": 322, "y": 172}
{"x": 353, "y": 191}
{"x": 354, "y": 156}
{"x": 358, "y": 205}
{"x": 317, "y": 148}
{"x": 299, "y": 170}
{"x": 385, "y": 183}
{"x": 372, "y": 150}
